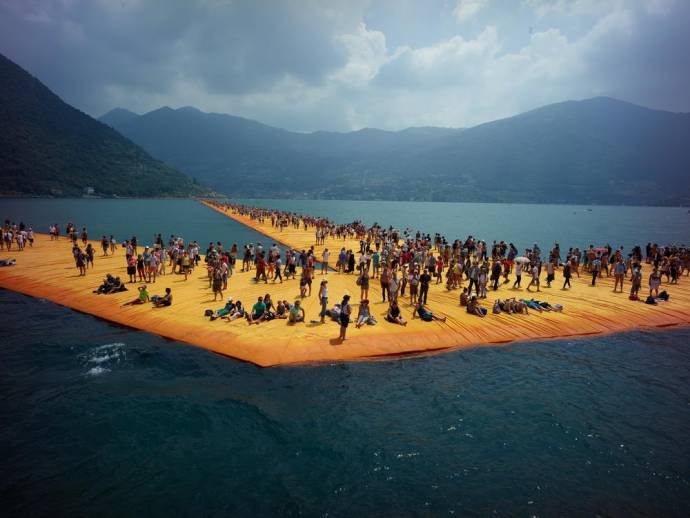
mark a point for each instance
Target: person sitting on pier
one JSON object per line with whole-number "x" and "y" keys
{"x": 225, "y": 310}
{"x": 474, "y": 308}
{"x": 464, "y": 297}
{"x": 296, "y": 313}
{"x": 110, "y": 285}
{"x": 164, "y": 301}
{"x": 258, "y": 312}
{"x": 142, "y": 298}
{"x": 236, "y": 313}
{"x": 364, "y": 315}
{"x": 394, "y": 316}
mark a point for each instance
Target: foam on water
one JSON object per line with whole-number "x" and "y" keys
{"x": 104, "y": 356}
{"x": 97, "y": 371}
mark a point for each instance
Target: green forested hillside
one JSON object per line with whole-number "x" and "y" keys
{"x": 599, "y": 150}
{"x": 49, "y": 148}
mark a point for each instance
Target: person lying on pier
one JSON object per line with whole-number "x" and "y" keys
{"x": 164, "y": 301}
{"x": 510, "y": 306}
{"x": 474, "y": 308}
{"x": 542, "y": 305}
{"x": 334, "y": 312}
{"x": 142, "y": 298}
{"x": 550, "y": 307}
{"x": 532, "y": 304}
{"x": 258, "y": 312}
{"x": 425, "y": 314}
{"x": 8, "y": 262}
{"x": 517, "y": 306}
{"x": 393, "y": 316}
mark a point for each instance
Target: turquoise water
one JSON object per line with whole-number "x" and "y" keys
{"x": 571, "y": 225}
{"x": 99, "y": 419}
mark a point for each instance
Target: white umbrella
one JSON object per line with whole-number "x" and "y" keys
{"x": 521, "y": 259}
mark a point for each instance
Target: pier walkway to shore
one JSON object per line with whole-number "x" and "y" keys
{"x": 48, "y": 271}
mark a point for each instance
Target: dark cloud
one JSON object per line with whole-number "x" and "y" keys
{"x": 652, "y": 66}
{"x": 80, "y": 48}
{"x": 329, "y": 64}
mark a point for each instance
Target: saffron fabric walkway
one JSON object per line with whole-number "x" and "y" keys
{"x": 47, "y": 270}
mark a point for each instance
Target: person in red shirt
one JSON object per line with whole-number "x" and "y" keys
{"x": 261, "y": 269}
{"x": 439, "y": 270}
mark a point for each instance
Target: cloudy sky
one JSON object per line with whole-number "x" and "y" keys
{"x": 340, "y": 65}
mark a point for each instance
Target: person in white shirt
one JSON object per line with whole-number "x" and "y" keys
{"x": 324, "y": 261}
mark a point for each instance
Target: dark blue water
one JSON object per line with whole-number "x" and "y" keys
{"x": 98, "y": 419}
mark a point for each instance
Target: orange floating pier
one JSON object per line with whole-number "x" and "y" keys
{"x": 47, "y": 270}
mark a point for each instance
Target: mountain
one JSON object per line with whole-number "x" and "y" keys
{"x": 599, "y": 150}
{"x": 244, "y": 157}
{"x": 117, "y": 116}
{"x": 48, "y": 147}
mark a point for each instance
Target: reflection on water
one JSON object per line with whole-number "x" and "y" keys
{"x": 560, "y": 427}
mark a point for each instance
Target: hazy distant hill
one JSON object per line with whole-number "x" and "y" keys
{"x": 596, "y": 151}
{"x": 49, "y": 148}
{"x": 117, "y": 116}
{"x": 599, "y": 150}
{"x": 244, "y": 157}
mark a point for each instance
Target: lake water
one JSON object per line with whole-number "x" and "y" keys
{"x": 99, "y": 419}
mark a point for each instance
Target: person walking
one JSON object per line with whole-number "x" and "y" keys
{"x": 596, "y": 269}
{"x": 566, "y": 275}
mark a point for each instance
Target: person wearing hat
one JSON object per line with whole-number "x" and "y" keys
{"x": 225, "y": 310}
{"x": 344, "y": 318}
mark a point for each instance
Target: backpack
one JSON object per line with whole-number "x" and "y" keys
{"x": 650, "y": 300}
{"x": 664, "y": 295}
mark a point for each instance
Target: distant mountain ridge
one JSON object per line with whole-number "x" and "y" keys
{"x": 598, "y": 150}
{"x": 48, "y": 148}
{"x": 117, "y": 116}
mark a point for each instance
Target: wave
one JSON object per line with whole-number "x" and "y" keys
{"x": 97, "y": 371}
{"x": 104, "y": 356}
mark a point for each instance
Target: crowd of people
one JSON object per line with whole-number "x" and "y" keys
{"x": 407, "y": 261}
{"x": 16, "y": 236}
{"x": 404, "y": 264}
